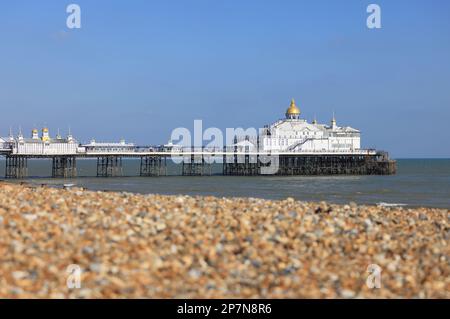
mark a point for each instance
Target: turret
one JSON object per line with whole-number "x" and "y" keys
{"x": 45, "y": 134}
{"x": 35, "y": 134}
{"x": 293, "y": 112}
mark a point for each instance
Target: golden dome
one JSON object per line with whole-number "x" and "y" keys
{"x": 45, "y": 130}
{"x": 34, "y": 131}
{"x": 293, "y": 109}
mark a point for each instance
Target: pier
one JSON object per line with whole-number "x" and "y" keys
{"x": 290, "y": 146}
{"x": 198, "y": 162}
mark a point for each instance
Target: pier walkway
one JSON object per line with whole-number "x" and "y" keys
{"x": 197, "y": 161}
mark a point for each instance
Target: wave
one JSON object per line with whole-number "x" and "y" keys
{"x": 382, "y": 204}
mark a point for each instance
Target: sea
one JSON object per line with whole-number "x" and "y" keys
{"x": 418, "y": 183}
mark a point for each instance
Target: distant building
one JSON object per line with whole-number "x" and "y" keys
{"x": 41, "y": 145}
{"x": 296, "y": 134}
{"x": 122, "y": 146}
{"x": 170, "y": 147}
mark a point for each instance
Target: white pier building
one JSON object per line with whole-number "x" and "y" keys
{"x": 294, "y": 134}
{"x": 95, "y": 146}
{"x": 40, "y": 145}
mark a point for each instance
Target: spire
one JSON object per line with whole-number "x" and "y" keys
{"x": 20, "y": 136}
{"x": 11, "y": 137}
{"x": 314, "y": 120}
{"x": 333, "y": 122}
{"x": 69, "y": 136}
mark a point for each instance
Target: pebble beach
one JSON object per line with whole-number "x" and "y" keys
{"x": 153, "y": 246}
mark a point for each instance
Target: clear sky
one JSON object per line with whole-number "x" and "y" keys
{"x": 138, "y": 69}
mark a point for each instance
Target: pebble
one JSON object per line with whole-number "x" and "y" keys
{"x": 347, "y": 293}
{"x": 153, "y": 246}
{"x": 19, "y": 274}
{"x": 160, "y": 226}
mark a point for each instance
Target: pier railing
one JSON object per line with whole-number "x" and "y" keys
{"x": 162, "y": 151}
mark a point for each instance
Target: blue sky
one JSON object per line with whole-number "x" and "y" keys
{"x": 138, "y": 69}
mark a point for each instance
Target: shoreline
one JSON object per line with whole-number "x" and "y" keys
{"x": 176, "y": 246}
{"x": 32, "y": 184}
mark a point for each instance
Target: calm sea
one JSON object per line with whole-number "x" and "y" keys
{"x": 419, "y": 182}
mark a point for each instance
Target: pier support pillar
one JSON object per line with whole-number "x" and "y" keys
{"x": 196, "y": 165}
{"x": 16, "y": 167}
{"x": 64, "y": 167}
{"x": 336, "y": 165}
{"x": 241, "y": 165}
{"x": 109, "y": 166}
{"x": 153, "y": 166}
